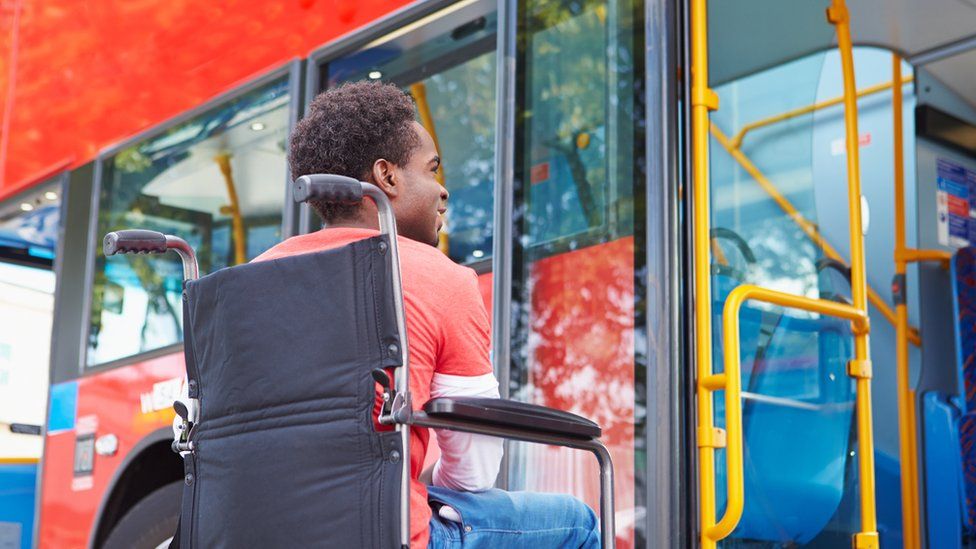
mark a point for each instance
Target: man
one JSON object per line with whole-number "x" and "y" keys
{"x": 367, "y": 131}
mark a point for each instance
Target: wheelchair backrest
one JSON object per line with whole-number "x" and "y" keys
{"x": 285, "y": 451}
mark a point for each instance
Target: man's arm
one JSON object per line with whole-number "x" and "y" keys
{"x": 468, "y": 462}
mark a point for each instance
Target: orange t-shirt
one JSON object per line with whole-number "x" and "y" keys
{"x": 447, "y": 332}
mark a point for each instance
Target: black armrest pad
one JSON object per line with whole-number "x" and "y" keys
{"x": 512, "y": 413}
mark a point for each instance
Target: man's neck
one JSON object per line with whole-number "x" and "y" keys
{"x": 364, "y": 220}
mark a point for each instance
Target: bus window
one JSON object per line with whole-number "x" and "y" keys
{"x": 448, "y": 67}
{"x": 576, "y": 292}
{"x": 28, "y": 243}
{"x": 217, "y": 181}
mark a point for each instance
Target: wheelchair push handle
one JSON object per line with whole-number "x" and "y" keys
{"x": 134, "y": 241}
{"x": 327, "y": 187}
{"x": 141, "y": 241}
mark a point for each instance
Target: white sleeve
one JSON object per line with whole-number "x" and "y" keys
{"x": 468, "y": 462}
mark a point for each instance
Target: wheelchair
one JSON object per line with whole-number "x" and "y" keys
{"x": 282, "y": 360}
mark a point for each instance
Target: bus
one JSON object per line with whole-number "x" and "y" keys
{"x": 734, "y": 234}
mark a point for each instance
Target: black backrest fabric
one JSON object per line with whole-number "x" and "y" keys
{"x": 285, "y": 452}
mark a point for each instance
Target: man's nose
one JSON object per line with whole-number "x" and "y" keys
{"x": 445, "y": 194}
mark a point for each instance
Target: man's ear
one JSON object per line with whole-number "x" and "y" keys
{"x": 386, "y": 177}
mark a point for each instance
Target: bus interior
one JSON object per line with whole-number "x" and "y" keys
{"x": 779, "y": 220}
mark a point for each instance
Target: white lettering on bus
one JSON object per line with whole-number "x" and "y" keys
{"x": 162, "y": 395}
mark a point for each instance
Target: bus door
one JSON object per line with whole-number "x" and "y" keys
{"x": 29, "y": 226}
{"x": 783, "y": 366}
{"x": 559, "y": 192}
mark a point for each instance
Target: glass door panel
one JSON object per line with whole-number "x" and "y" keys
{"x": 797, "y": 399}
{"x": 578, "y": 246}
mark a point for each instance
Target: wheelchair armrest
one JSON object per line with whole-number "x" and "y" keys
{"x": 510, "y": 413}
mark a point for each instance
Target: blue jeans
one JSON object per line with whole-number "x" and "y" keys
{"x": 499, "y": 519}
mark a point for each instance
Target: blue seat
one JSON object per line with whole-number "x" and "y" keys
{"x": 950, "y": 423}
{"x": 798, "y": 405}
{"x": 17, "y": 491}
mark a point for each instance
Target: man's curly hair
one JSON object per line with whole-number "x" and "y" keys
{"x": 346, "y": 130}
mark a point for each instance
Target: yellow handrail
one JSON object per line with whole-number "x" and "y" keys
{"x": 730, "y": 380}
{"x": 907, "y": 417}
{"x": 807, "y": 226}
{"x": 761, "y": 123}
{"x": 906, "y": 397}
{"x": 860, "y": 367}
{"x": 709, "y": 437}
{"x": 19, "y": 461}
{"x": 234, "y": 209}
{"x": 913, "y": 255}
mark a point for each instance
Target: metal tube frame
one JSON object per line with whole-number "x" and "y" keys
{"x": 607, "y": 526}
{"x": 191, "y": 270}
{"x": 401, "y": 403}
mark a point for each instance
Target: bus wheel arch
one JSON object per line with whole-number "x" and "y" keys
{"x": 149, "y": 466}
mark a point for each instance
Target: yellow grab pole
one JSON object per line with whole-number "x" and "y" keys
{"x": 703, "y": 100}
{"x": 860, "y": 367}
{"x": 237, "y": 219}
{"x": 908, "y": 448}
{"x": 18, "y": 461}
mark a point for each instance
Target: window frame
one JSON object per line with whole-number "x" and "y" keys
{"x": 292, "y": 72}
{"x": 411, "y": 15}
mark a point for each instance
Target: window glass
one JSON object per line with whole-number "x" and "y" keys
{"x": 448, "y": 67}
{"x": 28, "y": 242}
{"x": 577, "y": 297}
{"x": 218, "y": 182}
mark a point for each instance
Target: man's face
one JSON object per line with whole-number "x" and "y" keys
{"x": 421, "y": 201}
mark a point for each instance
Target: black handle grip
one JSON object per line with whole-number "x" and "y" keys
{"x": 134, "y": 241}
{"x": 327, "y": 187}
{"x": 25, "y": 429}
